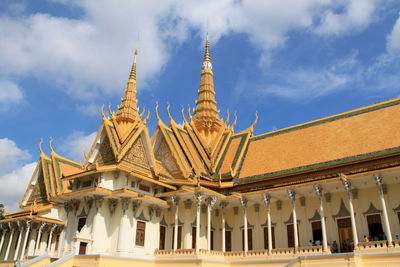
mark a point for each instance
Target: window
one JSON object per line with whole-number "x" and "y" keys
{"x": 81, "y": 223}
{"x": 249, "y": 239}
{"x": 266, "y": 237}
{"x": 162, "y": 237}
{"x": 228, "y": 240}
{"x": 179, "y": 236}
{"x": 144, "y": 187}
{"x": 87, "y": 183}
{"x": 290, "y": 235}
{"x": 193, "y": 236}
{"x": 316, "y": 230}
{"x": 375, "y": 226}
{"x": 133, "y": 184}
{"x": 140, "y": 233}
{"x": 155, "y": 191}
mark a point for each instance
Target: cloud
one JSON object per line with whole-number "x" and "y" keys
{"x": 14, "y": 172}
{"x": 73, "y": 145}
{"x": 10, "y": 94}
{"x": 10, "y": 155}
{"x": 348, "y": 16}
{"x": 308, "y": 83}
{"x": 13, "y": 185}
{"x": 393, "y": 39}
{"x": 89, "y": 56}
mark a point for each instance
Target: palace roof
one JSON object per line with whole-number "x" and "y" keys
{"x": 205, "y": 151}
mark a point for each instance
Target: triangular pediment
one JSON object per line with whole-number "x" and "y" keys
{"x": 164, "y": 155}
{"x": 137, "y": 155}
{"x": 36, "y": 192}
{"x": 105, "y": 154}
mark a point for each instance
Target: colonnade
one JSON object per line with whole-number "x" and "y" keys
{"x": 291, "y": 193}
{"x": 21, "y": 231}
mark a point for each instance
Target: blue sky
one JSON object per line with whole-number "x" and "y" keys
{"x": 292, "y": 61}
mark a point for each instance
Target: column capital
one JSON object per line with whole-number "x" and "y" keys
{"x": 28, "y": 224}
{"x": 175, "y": 200}
{"x": 20, "y": 225}
{"x": 198, "y": 196}
{"x": 318, "y": 190}
{"x": 292, "y": 194}
{"x": 211, "y": 201}
{"x": 41, "y": 227}
{"x": 379, "y": 182}
{"x": 112, "y": 204}
{"x": 243, "y": 202}
{"x": 53, "y": 228}
{"x": 88, "y": 201}
{"x": 267, "y": 199}
{"x": 124, "y": 204}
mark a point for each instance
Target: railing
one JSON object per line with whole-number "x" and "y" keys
{"x": 312, "y": 250}
{"x": 372, "y": 244}
{"x": 282, "y": 251}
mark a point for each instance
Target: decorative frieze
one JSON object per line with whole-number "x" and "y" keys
{"x": 188, "y": 204}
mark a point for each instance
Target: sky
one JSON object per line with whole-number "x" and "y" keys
{"x": 292, "y": 61}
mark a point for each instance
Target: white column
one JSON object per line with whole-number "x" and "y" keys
{"x": 98, "y": 203}
{"x": 5, "y": 230}
{"x": 347, "y": 186}
{"x": 292, "y": 196}
{"x": 243, "y": 201}
{"x": 223, "y": 207}
{"x": 198, "y": 197}
{"x": 53, "y": 228}
{"x": 210, "y": 204}
{"x": 20, "y": 227}
{"x": 37, "y": 245}
{"x": 175, "y": 202}
{"x": 386, "y": 223}
{"x": 9, "y": 241}
{"x": 27, "y": 231}
{"x": 267, "y": 200}
{"x": 318, "y": 190}
{"x": 123, "y": 226}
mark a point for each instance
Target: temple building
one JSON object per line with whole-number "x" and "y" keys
{"x": 199, "y": 193}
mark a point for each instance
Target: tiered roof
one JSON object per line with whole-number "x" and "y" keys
{"x": 204, "y": 152}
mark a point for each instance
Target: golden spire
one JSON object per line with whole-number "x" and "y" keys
{"x": 206, "y": 115}
{"x": 128, "y": 110}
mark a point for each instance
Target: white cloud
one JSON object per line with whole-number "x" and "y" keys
{"x": 10, "y": 94}
{"x": 14, "y": 174}
{"x": 73, "y": 145}
{"x": 13, "y": 185}
{"x": 348, "y": 16}
{"x": 10, "y": 155}
{"x": 310, "y": 82}
{"x": 91, "y": 56}
{"x": 393, "y": 39}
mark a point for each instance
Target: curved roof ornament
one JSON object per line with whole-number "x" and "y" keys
{"x": 190, "y": 115}
{"x": 227, "y": 117}
{"x": 157, "y": 116}
{"x": 183, "y": 115}
{"x": 141, "y": 115}
{"x": 169, "y": 114}
{"x": 102, "y": 112}
{"x": 147, "y": 117}
{"x": 40, "y": 146}
{"x": 234, "y": 122}
{"x": 51, "y": 147}
{"x": 109, "y": 110}
{"x": 84, "y": 153}
{"x": 255, "y": 121}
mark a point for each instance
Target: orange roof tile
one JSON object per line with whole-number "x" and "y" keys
{"x": 367, "y": 130}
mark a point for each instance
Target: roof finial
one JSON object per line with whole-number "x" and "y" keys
{"x": 133, "y": 70}
{"x": 207, "y": 55}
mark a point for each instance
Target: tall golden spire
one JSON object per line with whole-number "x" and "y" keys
{"x": 128, "y": 110}
{"x": 206, "y": 115}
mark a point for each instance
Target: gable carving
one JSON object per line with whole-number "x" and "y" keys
{"x": 39, "y": 192}
{"x": 137, "y": 155}
{"x": 105, "y": 155}
{"x": 164, "y": 155}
